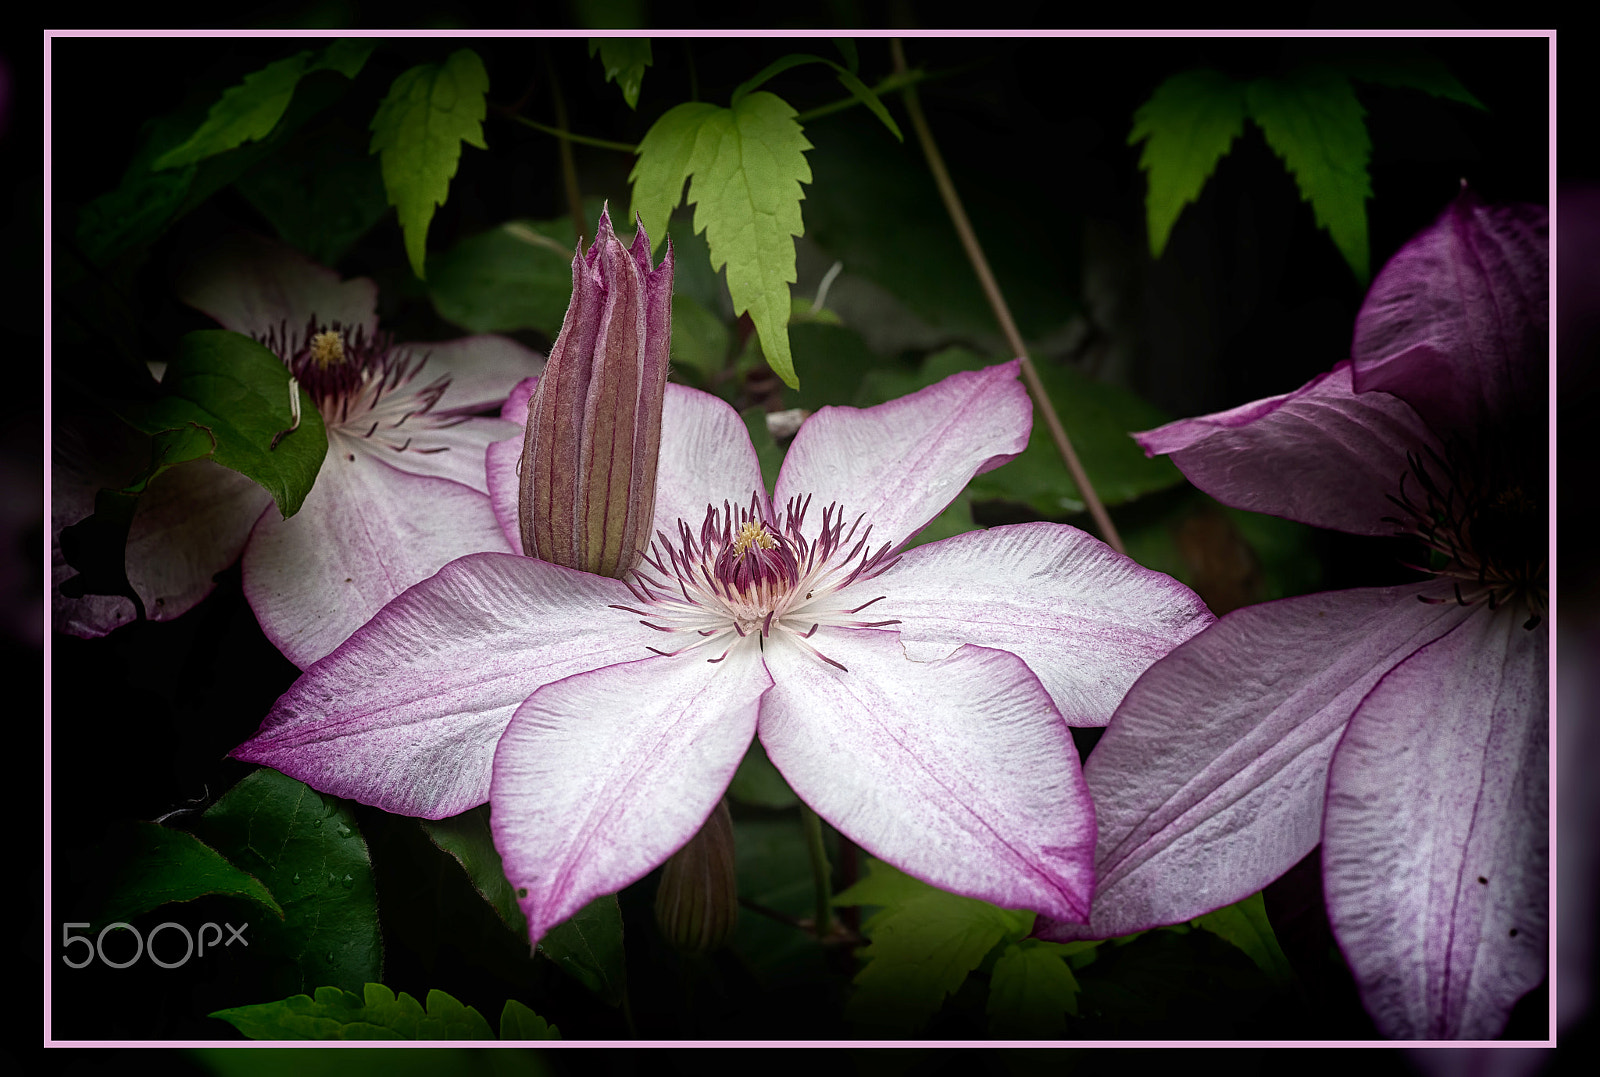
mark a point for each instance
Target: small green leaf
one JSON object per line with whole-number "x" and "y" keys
{"x": 418, "y": 129}
{"x": 1417, "y": 71}
{"x": 1031, "y": 989}
{"x": 758, "y": 782}
{"x": 768, "y": 451}
{"x": 249, "y": 111}
{"x": 925, "y": 942}
{"x": 516, "y": 276}
{"x": 306, "y": 849}
{"x": 1245, "y": 924}
{"x": 625, "y": 59}
{"x": 321, "y": 195}
{"x": 149, "y": 865}
{"x": 517, "y": 1022}
{"x": 1186, "y": 126}
{"x": 1313, "y": 121}
{"x": 375, "y": 1014}
{"x": 666, "y": 155}
{"x": 239, "y": 392}
{"x": 750, "y": 163}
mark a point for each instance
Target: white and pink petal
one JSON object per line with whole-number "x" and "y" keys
{"x": 405, "y": 715}
{"x": 602, "y": 776}
{"x": 1436, "y": 837}
{"x": 957, "y": 771}
{"x": 254, "y": 286}
{"x": 1087, "y": 620}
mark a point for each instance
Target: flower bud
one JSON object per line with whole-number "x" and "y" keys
{"x": 587, "y": 488}
{"x": 697, "y": 900}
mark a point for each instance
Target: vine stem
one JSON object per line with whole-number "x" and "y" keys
{"x": 1002, "y": 313}
{"x": 819, "y": 870}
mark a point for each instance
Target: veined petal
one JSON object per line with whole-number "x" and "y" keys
{"x": 190, "y": 524}
{"x": 252, "y": 285}
{"x": 602, "y": 776}
{"x": 902, "y": 462}
{"x": 457, "y": 452}
{"x": 1087, "y": 620}
{"x": 958, "y": 771}
{"x": 1457, "y": 324}
{"x": 1209, "y": 782}
{"x": 1323, "y": 455}
{"x": 365, "y": 533}
{"x": 482, "y": 369}
{"x": 706, "y": 459}
{"x": 405, "y": 714}
{"x": 1436, "y": 840}
{"x": 500, "y": 472}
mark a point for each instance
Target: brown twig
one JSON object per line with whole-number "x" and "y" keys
{"x": 1002, "y": 313}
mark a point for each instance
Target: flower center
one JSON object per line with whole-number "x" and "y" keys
{"x": 357, "y": 382}
{"x": 1482, "y": 529}
{"x": 746, "y": 577}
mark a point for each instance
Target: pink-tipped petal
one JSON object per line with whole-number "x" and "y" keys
{"x": 406, "y": 714}
{"x": 1085, "y": 619}
{"x": 482, "y": 369}
{"x": 254, "y": 285}
{"x": 1457, "y": 324}
{"x": 365, "y": 533}
{"x": 902, "y": 462}
{"x": 957, "y": 771}
{"x": 515, "y": 409}
{"x": 602, "y": 776}
{"x": 456, "y": 452}
{"x": 500, "y": 471}
{"x": 706, "y": 459}
{"x": 1323, "y": 455}
{"x": 1436, "y": 839}
{"x": 1209, "y": 782}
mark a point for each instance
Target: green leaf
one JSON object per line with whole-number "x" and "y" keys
{"x": 1098, "y": 418}
{"x": 847, "y": 77}
{"x": 588, "y": 947}
{"x": 746, "y": 166}
{"x": 1313, "y": 121}
{"x": 774, "y": 872}
{"x": 1030, "y": 991}
{"x": 625, "y": 59}
{"x": 418, "y": 130}
{"x": 1173, "y": 984}
{"x": 305, "y": 848}
{"x": 375, "y": 1014}
{"x": 1245, "y": 925}
{"x": 149, "y": 865}
{"x": 1415, "y": 71}
{"x": 1186, "y": 126}
{"x": 516, "y": 276}
{"x": 467, "y": 838}
{"x": 666, "y": 154}
{"x": 249, "y": 111}
{"x": 925, "y": 942}
{"x": 758, "y": 782}
{"x": 768, "y": 452}
{"x": 700, "y": 339}
{"x": 321, "y": 195}
{"x": 517, "y": 1022}
{"x": 239, "y": 392}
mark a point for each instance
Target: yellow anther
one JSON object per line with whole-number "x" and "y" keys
{"x": 327, "y": 349}
{"x": 752, "y": 534}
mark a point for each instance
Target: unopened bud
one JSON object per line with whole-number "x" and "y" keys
{"x": 697, "y": 902}
{"x": 587, "y": 491}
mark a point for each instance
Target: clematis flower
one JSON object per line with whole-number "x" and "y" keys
{"x": 1404, "y": 727}
{"x": 918, "y": 702}
{"x": 401, "y": 491}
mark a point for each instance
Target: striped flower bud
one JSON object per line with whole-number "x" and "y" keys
{"x": 587, "y": 487}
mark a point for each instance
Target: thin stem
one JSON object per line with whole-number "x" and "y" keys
{"x": 1002, "y": 313}
{"x": 567, "y": 136}
{"x": 819, "y": 870}
{"x": 569, "y": 171}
